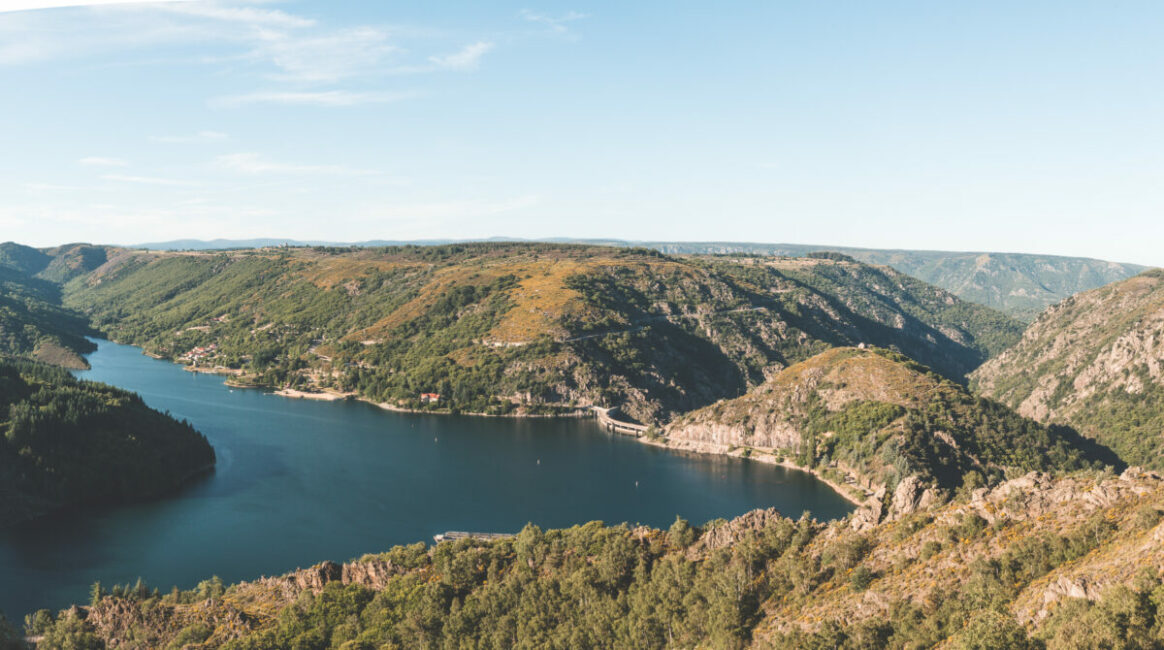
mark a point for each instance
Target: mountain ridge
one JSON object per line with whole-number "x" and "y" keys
{"x": 493, "y": 327}
{"x": 1095, "y": 362}
{"x": 1033, "y": 281}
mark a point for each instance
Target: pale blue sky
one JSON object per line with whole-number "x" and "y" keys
{"x": 961, "y": 126}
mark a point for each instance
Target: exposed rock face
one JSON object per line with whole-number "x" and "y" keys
{"x": 1023, "y": 515}
{"x": 913, "y": 495}
{"x": 373, "y": 573}
{"x": 1095, "y": 362}
{"x": 733, "y": 531}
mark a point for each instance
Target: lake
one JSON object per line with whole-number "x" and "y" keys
{"x": 302, "y": 481}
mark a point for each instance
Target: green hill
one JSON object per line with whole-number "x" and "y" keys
{"x": 880, "y": 423}
{"x": 67, "y": 442}
{"x": 1095, "y": 362}
{"x": 34, "y": 325}
{"x": 25, "y": 259}
{"x": 523, "y": 328}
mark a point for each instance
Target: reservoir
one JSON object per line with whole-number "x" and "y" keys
{"x": 302, "y": 481}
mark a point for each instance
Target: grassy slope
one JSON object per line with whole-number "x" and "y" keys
{"x": 1021, "y": 285}
{"x": 526, "y": 326}
{"x": 1096, "y": 362}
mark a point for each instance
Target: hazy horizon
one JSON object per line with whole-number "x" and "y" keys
{"x": 293, "y": 241}
{"x": 904, "y": 125}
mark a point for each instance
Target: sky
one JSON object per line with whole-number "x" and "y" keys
{"x": 989, "y": 126}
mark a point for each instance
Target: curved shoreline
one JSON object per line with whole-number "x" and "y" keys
{"x": 330, "y": 395}
{"x": 764, "y": 456}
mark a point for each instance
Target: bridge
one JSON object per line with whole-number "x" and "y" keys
{"x": 618, "y": 426}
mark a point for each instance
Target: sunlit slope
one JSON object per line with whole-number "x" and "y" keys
{"x": 883, "y": 425}
{"x": 526, "y": 327}
{"x": 1096, "y": 362}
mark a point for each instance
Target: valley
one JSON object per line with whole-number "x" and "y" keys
{"x": 736, "y": 370}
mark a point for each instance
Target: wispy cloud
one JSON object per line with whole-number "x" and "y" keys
{"x": 53, "y": 187}
{"x": 148, "y": 180}
{"x": 100, "y": 161}
{"x": 329, "y": 98}
{"x": 253, "y": 163}
{"x": 247, "y": 15}
{"x": 201, "y": 136}
{"x": 468, "y": 58}
{"x": 29, "y": 5}
{"x": 556, "y": 24}
{"x": 326, "y": 57}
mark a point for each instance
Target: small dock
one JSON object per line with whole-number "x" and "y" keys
{"x": 453, "y": 535}
{"x": 606, "y": 419}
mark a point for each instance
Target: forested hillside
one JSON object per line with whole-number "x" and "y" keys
{"x": 1096, "y": 362}
{"x": 523, "y": 328}
{"x": 67, "y": 442}
{"x": 1031, "y": 563}
{"x": 34, "y": 325}
{"x": 886, "y": 426}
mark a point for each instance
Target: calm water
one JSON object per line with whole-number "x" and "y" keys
{"x": 302, "y": 481}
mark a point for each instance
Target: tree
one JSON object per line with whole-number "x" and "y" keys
{"x": 96, "y": 593}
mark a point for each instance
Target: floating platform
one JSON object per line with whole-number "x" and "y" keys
{"x": 453, "y": 535}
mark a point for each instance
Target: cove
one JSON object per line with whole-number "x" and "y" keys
{"x": 300, "y": 481}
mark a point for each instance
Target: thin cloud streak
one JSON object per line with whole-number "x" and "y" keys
{"x": 247, "y": 15}
{"x": 327, "y": 98}
{"x": 101, "y": 161}
{"x": 201, "y": 136}
{"x": 10, "y": 6}
{"x": 468, "y": 58}
{"x": 148, "y": 180}
{"x": 253, "y": 163}
{"x": 556, "y": 24}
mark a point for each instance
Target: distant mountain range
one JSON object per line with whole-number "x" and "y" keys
{"x": 1019, "y": 284}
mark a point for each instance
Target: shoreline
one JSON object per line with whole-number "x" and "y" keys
{"x": 579, "y": 412}
{"x": 766, "y": 456}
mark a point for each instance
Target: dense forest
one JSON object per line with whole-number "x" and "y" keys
{"x": 67, "y": 442}
{"x": 977, "y": 573}
{"x": 524, "y": 328}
